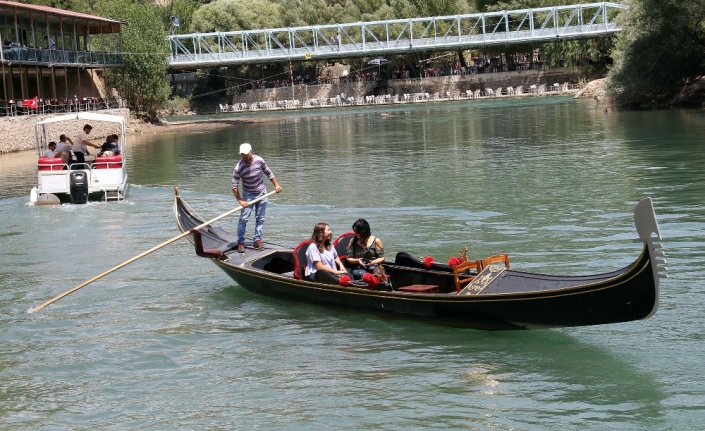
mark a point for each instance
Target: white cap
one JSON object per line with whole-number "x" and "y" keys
{"x": 245, "y": 148}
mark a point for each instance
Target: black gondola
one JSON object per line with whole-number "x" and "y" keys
{"x": 475, "y": 294}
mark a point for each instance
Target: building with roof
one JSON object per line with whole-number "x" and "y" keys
{"x": 54, "y": 54}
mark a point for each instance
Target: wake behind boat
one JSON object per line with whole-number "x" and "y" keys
{"x": 60, "y": 181}
{"x": 474, "y": 294}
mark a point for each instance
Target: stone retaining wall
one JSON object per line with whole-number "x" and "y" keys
{"x": 440, "y": 85}
{"x": 18, "y": 133}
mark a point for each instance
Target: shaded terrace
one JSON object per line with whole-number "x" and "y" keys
{"x": 44, "y": 51}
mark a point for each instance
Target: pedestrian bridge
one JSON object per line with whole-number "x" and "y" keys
{"x": 398, "y": 36}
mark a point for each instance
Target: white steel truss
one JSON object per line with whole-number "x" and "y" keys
{"x": 377, "y": 38}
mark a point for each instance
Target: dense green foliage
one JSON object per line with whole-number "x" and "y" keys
{"x": 230, "y": 15}
{"x": 142, "y": 81}
{"x": 304, "y": 12}
{"x": 661, "y": 49}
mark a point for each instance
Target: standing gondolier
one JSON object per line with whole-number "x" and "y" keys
{"x": 249, "y": 171}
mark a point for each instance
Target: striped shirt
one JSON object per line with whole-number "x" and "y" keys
{"x": 251, "y": 175}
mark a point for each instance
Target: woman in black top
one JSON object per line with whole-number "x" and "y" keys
{"x": 365, "y": 251}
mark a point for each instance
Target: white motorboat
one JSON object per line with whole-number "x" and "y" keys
{"x": 59, "y": 180}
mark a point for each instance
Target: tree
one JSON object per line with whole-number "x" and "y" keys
{"x": 437, "y": 7}
{"x": 660, "y": 50}
{"x": 142, "y": 82}
{"x": 184, "y": 10}
{"x": 74, "y": 5}
{"x": 297, "y": 13}
{"x": 233, "y": 15}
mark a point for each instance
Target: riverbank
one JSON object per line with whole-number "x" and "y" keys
{"x": 145, "y": 128}
{"x": 691, "y": 96}
{"x": 441, "y": 85}
{"x": 18, "y": 131}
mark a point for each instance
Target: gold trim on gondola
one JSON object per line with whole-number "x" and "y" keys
{"x": 463, "y": 254}
{"x": 483, "y": 279}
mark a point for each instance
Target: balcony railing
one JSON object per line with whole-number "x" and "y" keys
{"x": 59, "y": 106}
{"x": 57, "y": 57}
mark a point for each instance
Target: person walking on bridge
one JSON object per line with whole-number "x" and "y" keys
{"x": 249, "y": 170}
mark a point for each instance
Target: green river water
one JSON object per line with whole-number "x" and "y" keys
{"x": 170, "y": 342}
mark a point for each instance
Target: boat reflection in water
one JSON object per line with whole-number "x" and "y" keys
{"x": 475, "y": 294}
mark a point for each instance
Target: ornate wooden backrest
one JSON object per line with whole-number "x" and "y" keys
{"x": 498, "y": 258}
{"x": 473, "y": 264}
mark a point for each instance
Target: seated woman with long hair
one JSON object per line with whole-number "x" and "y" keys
{"x": 365, "y": 251}
{"x": 321, "y": 255}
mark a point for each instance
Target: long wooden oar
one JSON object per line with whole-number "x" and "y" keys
{"x": 141, "y": 255}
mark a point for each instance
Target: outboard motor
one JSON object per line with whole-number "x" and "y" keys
{"x": 79, "y": 187}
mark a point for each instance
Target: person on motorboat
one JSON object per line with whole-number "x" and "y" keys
{"x": 249, "y": 171}
{"x": 364, "y": 251}
{"x": 116, "y": 145}
{"x": 80, "y": 147}
{"x": 50, "y": 152}
{"x": 321, "y": 255}
{"x": 107, "y": 149}
{"x": 63, "y": 148}
{"x": 64, "y": 145}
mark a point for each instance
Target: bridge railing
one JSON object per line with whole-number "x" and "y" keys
{"x": 398, "y": 36}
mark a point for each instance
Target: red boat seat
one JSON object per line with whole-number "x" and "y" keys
{"x": 50, "y": 164}
{"x": 420, "y": 288}
{"x": 111, "y": 162}
{"x": 300, "y": 259}
{"x": 209, "y": 252}
{"x": 341, "y": 246}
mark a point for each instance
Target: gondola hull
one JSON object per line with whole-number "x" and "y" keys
{"x": 511, "y": 300}
{"x": 631, "y": 298}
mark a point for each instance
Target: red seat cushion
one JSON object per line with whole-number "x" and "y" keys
{"x": 108, "y": 162}
{"x": 300, "y": 258}
{"x": 420, "y": 288}
{"x": 50, "y": 163}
